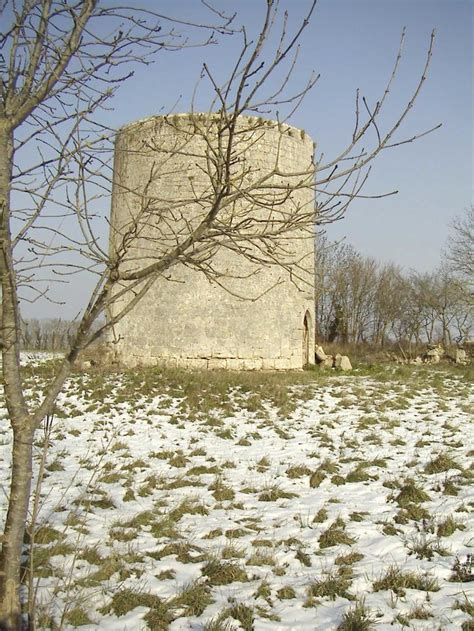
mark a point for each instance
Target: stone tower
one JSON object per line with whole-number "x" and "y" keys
{"x": 244, "y": 314}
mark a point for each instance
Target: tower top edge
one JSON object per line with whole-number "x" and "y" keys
{"x": 202, "y": 116}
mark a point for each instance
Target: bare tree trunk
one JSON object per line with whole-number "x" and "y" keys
{"x": 10, "y": 556}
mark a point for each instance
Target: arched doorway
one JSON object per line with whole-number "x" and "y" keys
{"x": 306, "y": 337}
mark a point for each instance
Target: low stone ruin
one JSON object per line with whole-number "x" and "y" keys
{"x": 433, "y": 355}
{"x": 338, "y": 362}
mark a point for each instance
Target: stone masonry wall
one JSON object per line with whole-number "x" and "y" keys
{"x": 162, "y": 189}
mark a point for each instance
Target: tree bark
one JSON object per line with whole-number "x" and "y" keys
{"x": 20, "y": 486}
{"x": 10, "y": 557}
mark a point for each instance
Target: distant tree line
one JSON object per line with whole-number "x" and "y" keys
{"x": 50, "y": 334}
{"x": 362, "y": 301}
{"x": 359, "y": 300}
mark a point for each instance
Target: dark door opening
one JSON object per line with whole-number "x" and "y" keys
{"x": 306, "y": 338}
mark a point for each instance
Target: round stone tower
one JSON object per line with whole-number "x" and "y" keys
{"x": 241, "y": 294}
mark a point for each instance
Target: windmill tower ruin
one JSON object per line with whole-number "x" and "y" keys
{"x": 222, "y": 305}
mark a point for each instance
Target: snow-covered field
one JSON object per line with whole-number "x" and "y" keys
{"x": 258, "y": 502}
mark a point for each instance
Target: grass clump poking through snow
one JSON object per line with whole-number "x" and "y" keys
{"x": 399, "y": 581}
{"x": 224, "y": 572}
{"x": 320, "y": 516}
{"x": 410, "y": 493}
{"x": 419, "y": 612}
{"x": 193, "y": 598}
{"x": 77, "y": 617}
{"x": 262, "y": 557}
{"x": 286, "y": 593}
{"x": 181, "y": 549}
{"x": 240, "y": 612}
{"x": 335, "y": 535}
{"x": 332, "y": 584}
{"x": 218, "y": 624}
{"x": 466, "y": 606}
{"x": 221, "y": 491}
{"x": 126, "y": 600}
{"x": 441, "y": 463}
{"x": 274, "y": 492}
{"x": 448, "y": 526}
{"x": 425, "y": 547}
{"x": 463, "y": 571}
{"x": 297, "y": 471}
{"x": 349, "y": 559}
{"x": 243, "y": 614}
{"x": 357, "y": 618}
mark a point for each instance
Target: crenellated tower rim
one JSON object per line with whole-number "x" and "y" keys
{"x": 193, "y": 117}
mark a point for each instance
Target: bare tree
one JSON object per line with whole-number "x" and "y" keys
{"x": 346, "y": 294}
{"x": 329, "y": 259}
{"x": 360, "y": 301}
{"x": 460, "y": 250}
{"x": 390, "y": 302}
{"x": 444, "y": 308}
{"x": 59, "y": 70}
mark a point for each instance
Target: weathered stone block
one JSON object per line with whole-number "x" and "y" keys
{"x": 251, "y": 364}
{"x": 320, "y": 354}
{"x": 460, "y": 356}
{"x": 233, "y": 363}
{"x": 269, "y": 364}
{"x": 342, "y": 362}
{"x": 327, "y": 363}
{"x": 282, "y": 363}
{"x": 195, "y": 363}
{"x": 215, "y": 363}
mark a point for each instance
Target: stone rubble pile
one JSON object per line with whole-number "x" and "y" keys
{"x": 339, "y": 362}
{"x": 433, "y": 355}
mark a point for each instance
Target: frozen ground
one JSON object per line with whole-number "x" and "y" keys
{"x": 222, "y": 502}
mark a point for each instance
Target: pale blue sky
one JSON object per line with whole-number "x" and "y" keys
{"x": 352, "y": 44}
